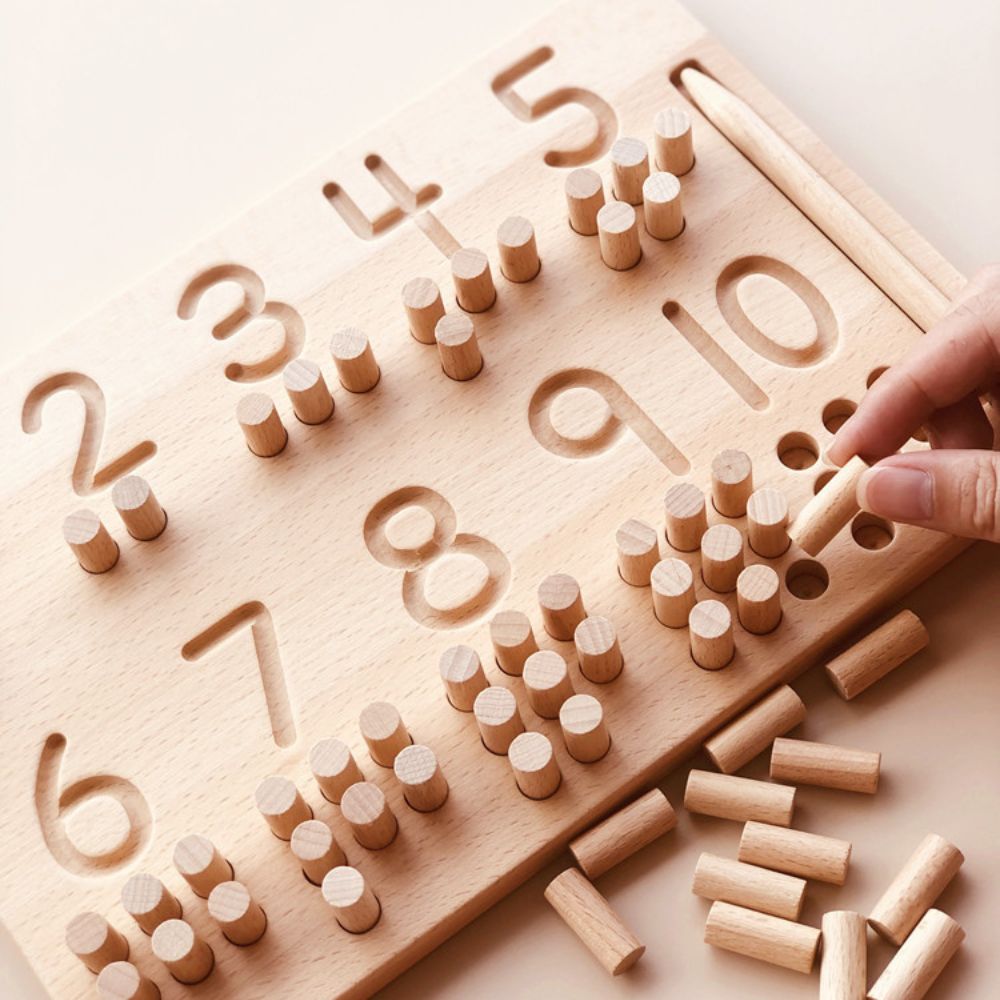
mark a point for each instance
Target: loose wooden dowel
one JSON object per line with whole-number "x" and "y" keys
{"x": 584, "y": 199}
{"x": 334, "y": 768}
{"x": 513, "y": 641}
{"x": 819, "y": 522}
{"x": 672, "y": 588}
{"x": 584, "y": 729}
{"x": 311, "y": 398}
{"x": 638, "y": 552}
{"x": 187, "y": 957}
{"x": 534, "y": 764}
{"x": 623, "y": 833}
{"x": 673, "y": 141}
{"x": 618, "y": 232}
{"x": 747, "y": 885}
{"x": 458, "y": 348}
{"x": 463, "y": 676}
{"x": 352, "y": 353}
{"x": 200, "y": 864}
{"x": 732, "y": 482}
{"x": 721, "y": 557}
{"x": 262, "y": 427}
{"x": 547, "y": 682}
{"x": 95, "y": 942}
{"x": 710, "y": 630}
{"x": 843, "y": 970}
{"x": 518, "y": 251}
{"x": 881, "y": 651}
{"x": 767, "y": 523}
{"x": 123, "y": 981}
{"x": 425, "y": 787}
{"x": 920, "y": 881}
{"x": 474, "y": 288}
{"x": 758, "y": 599}
{"x": 753, "y": 731}
{"x": 663, "y": 213}
{"x": 590, "y": 916}
{"x": 316, "y": 849}
{"x": 424, "y": 307}
{"x": 95, "y": 550}
{"x": 561, "y": 604}
{"x": 238, "y": 914}
{"x": 923, "y": 956}
{"x": 795, "y": 852}
{"x": 761, "y": 936}
{"x": 805, "y": 763}
{"x": 729, "y": 797}
{"x": 629, "y": 169}
{"x": 383, "y": 731}
{"x": 282, "y": 805}
{"x": 371, "y": 820}
{"x": 355, "y": 906}
{"x": 686, "y": 519}
{"x": 138, "y": 508}
{"x": 498, "y": 718}
{"x": 597, "y": 650}
{"x": 149, "y": 902}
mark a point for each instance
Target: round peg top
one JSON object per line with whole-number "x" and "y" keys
{"x": 241, "y": 918}
{"x": 499, "y": 718}
{"x": 281, "y": 804}
{"x": 463, "y": 676}
{"x": 619, "y": 236}
{"x": 417, "y": 770}
{"x": 123, "y": 981}
{"x": 547, "y": 682}
{"x": 535, "y": 767}
{"x": 189, "y": 959}
{"x": 133, "y": 498}
{"x": 663, "y": 212}
{"x": 638, "y": 552}
{"x": 384, "y": 732}
{"x": 513, "y": 640}
{"x": 584, "y": 198}
{"x": 458, "y": 347}
{"x": 94, "y": 941}
{"x": 672, "y": 585}
{"x": 265, "y": 433}
{"x": 148, "y": 901}
{"x": 423, "y": 305}
{"x": 710, "y": 626}
{"x": 334, "y": 767}
{"x": 767, "y": 522}
{"x": 474, "y": 288}
{"x": 200, "y": 864}
{"x": 562, "y": 605}
{"x": 597, "y": 649}
{"x": 316, "y": 849}
{"x": 758, "y": 593}
{"x": 355, "y": 905}
{"x": 686, "y": 519}
{"x": 584, "y": 730}
{"x": 356, "y": 365}
{"x": 307, "y": 389}
{"x": 364, "y": 806}
{"x": 673, "y": 140}
{"x": 721, "y": 557}
{"x": 518, "y": 254}
{"x": 629, "y": 168}
{"x": 95, "y": 550}
{"x": 732, "y": 482}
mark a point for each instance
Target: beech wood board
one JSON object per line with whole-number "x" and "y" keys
{"x": 146, "y": 703}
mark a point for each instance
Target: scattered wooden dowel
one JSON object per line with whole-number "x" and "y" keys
{"x": 200, "y": 864}
{"x": 584, "y": 199}
{"x": 282, "y": 805}
{"x": 458, "y": 348}
{"x": 498, "y": 718}
{"x": 808, "y": 855}
{"x": 534, "y": 764}
{"x": 463, "y": 676}
{"x": 238, "y": 914}
{"x": 547, "y": 682}
{"x": 149, "y": 902}
{"x": 383, "y": 731}
{"x": 638, "y": 552}
{"x": 138, "y": 507}
{"x": 187, "y": 957}
{"x": 732, "y": 482}
{"x": 334, "y": 768}
{"x": 920, "y": 960}
{"x": 663, "y": 213}
{"x": 672, "y": 588}
{"x": 308, "y": 391}
{"x": 355, "y": 906}
{"x": 357, "y": 368}
{"x": 513, "y": 641}
{"x": 584, "y": 730}
{"x": 371, "y": 820}
{"x": 828, "y": 766}
{"x": 629, "y": 169}
{"x": 95, "y": 550}
{"x": 518, "y": 252}
{"x": 673, "y": 141}
{"x": 623, "y": 833}
{"x": 123, "y": 981}
{"x": 474, "y": 288}
{"x": 747, "y": 885}
{"x": 590, "y": 916}
{"x": 95, "y": 942}
{"x": 829, "y": 510}
{"x": 316, "y": 849}
{"x": 761, "y": 936}
{"x": 752, "y": 732}
{"x": 686, "y": 519}
{"x": 423, "y": 305}
{"x": 843, "y": 970}
{"x": 262, "y": 427}
{"x": 618, "y": 232}
{"x": 721, "y": 557}
{"x": 871, "y": 658}
{"x": 597, "y": 650}
{"x": 710, "y": 629}
{"x": 561, "y": 604}
{"x": 767, "y": 523}
{"x": 758, "y": 599}
{"x": 740, "y": 799}
{"x": 920, "y": 881}
{"x": 418, "y": 771}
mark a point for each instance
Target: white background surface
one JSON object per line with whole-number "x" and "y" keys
{"x": 131, "y": 130}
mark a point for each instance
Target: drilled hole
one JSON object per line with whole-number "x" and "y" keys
{"x": 798, "y": 450}
{"x": 823, "y": 478}
{"x": 835, "y": 414}
{"x": 871, "y": 532}
{"x": 876, "y": 375}
{"x": 807, "y": 580}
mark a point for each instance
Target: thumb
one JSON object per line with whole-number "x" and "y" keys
{"x": 953, "y": 491}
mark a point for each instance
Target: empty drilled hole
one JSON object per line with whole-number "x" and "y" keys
{"x": 798, "y": 450}
{"x": 823, "y": 478}
{"x": 872, "y": 532}
{"x": 807, "y": 580}
{"x": 876, "y": 375}
{"x": 835, "y": 414}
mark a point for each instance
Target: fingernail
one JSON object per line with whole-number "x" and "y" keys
{"x": 897, "y": 493}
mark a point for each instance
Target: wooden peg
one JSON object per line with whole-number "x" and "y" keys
{"x": 518, "y": 252}
{"x": 618, "y": 232}
{"x": 355, "y": 906}
{"x": 474, "y": 288}
{"x": 384, "y": 732}
{"x": 673, "y": 141}
{"x": 584, "y": 730}
{"x": 238, "y": 914}
{"x": 597, "y": 650}
{"x": 138, "y": 507}
{"x": 418, "y": 771}
{"x": 123, "y": 981}
{"x": 366, "y": 810}
{"x": 843, "y": 970}
{"x": 334, "y": 768}
{"x": 282, "y": 805}
{"x": 740, "y": 799}
{"x": 308, "y": 391}
{"x": 562, "y": 605}
{"x": 316, "y": 849}
{"x": 95, "y": 550}
{"x": 513, "y": 641}
{"x": 547, "y": 682}
{"x": 808, "y": 855}
{"x": 149, "y": 902}
{"x": 629, "y": 169}
{"x": 767, "y": 523}
{"x": 805, "y": 763}
{"x": 638, "y": 552}
{"x": 672, "y": 587}
{"x": 95, "y": 942}
{"x": 761, "y": 936}
{"x": 423, "y": 305}
{"x": 912, "y": 970}
{"x": 200, "y": 864}
{"x": 829, "y": 510}
{"x": 686, "y": 520}
{"x": 463, "y": 676}
{"x": 747, "y": 885}
{"x": 920, "y": 881}
{"x": 590, "y": 916}
{"x": 623, "y": 833}
{"x": 356, "y": 365}
{"x": 187, "y": 957}
{"x": 458, "y": 348}
{"x": 534, "y": 764}
{"x": 710, "y": 628}
{"x": 663, "y": 212}
{"x": 871, "y": 658}
{"x": 758, "y": 599}
{"x": 262, "y": 427}
{"x": 753, "y": 731}
{"x": 498, "y": 718}
{"x": 732, "y": 482}
{"x": 584, "y": 199}
{"x": 721, "y": 557}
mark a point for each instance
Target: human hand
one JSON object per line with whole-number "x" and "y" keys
{"x": 954, "y": 487}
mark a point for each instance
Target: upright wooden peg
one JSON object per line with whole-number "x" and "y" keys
{"x": 200, "y": 864}
{"x": 513, "y": 641}
{"x": 618, "y": 232}
{"x": 673, "y": 141}
{"x": 584, "y": 199}
{"x": 138, "y": 507}
{"x": 498, "y": 718}
{"x": 355, "y": 905}
{"x": 843, "y": 971}
{"x": 761, "y": 936}
{"x": 629, "y": 169}
{"x": 463, "y": 676}
{"x": 584, "y": 730}
{"x": 95, "y": 942}
{"x": 95, "y": 550}
{"x": 307, "y": 389}
{"x": 710, "y": 629}
{"x": 356, "y": 365}
{"x": 721, "y": 557}
{"x": 921, "y": 959}
{"x": 474, "y": 288}
{"x": 561, "y": 604}
{"x": 672, "y": 587}
{"x": 123, "y": 981}
{"x": 758, "y": 599}
{"x": 334, "y": 768}
{"x": 663, "y": 212}
{"x": 188, "y": 959}
{"x": 807, "y": 855}
{"x": 418, "y": 771}
{"x": 282, "y": 805}
{"x": 149, "y": 902}
{"x": 384, "y": 732}
{"x": 262, "y": 427}
{"x": 366, "y": 810}
{"x": 686, "y": 520}
{"x": 829, "y": 510}
{"x": 638, "y": 552}
{"x": 518, "y": 252}
{"x": 535, "y": 767}
{"x": 423, "y": 305}
{"x": 732, "y": 482}
{"x": 547, "y": 682}
{"x": 458, "y": 348}
{"x": 805, "y": 763}
{"x": 739, "y": 799}
{"x": 238, "y": 914}
{"x": 752, "y": 732}
{"x": 316, "y": 849}
{"x": 597, "y": 650}
{"x": 767, "y": 523}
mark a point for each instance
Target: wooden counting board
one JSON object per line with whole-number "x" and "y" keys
{"x": 286, "y": 594}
